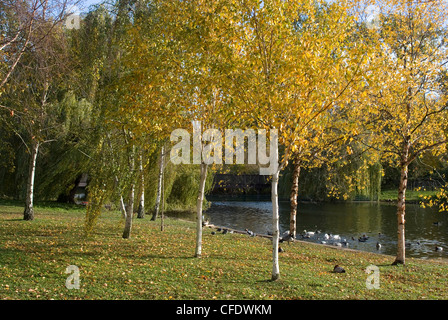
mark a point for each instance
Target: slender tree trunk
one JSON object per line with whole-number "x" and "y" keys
{"x": 293, "y": 199}
{"x": 123, "y": 207}
{"x": 275, "y": 226}
{"x": 401, "y": 207}
{"x": 130, "y": 206}
{"x": 199, "y": 210}
{"x": 129, "y": 214}
{"x": 28, "y": 213}
{"x": 162, "y": 212}
{"x": 141, "y": 205}
{"x": 159, "y": 186}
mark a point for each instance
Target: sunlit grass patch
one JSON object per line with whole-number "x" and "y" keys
{"x": 156, "y": 264}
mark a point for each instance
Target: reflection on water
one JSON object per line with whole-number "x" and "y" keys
{"x": 349, "y": 220}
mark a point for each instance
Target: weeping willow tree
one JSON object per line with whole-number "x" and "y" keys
{"x": 183, "y": 194}
{"x": 99, "y": 190}
{"x": 104, "y": 183}
{"x": 179, "y": 187}
{"x": 13, "y": 163}
{"x": 353, "y": 179}
{"x": 117, "y": 148}
{"x": 68, "y": 158}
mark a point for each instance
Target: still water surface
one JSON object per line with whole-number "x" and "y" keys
{"x": 349, "y": 220}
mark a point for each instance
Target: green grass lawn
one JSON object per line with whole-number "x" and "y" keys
{"x": 411, "y": 195}
{"x": 160, "y": 265}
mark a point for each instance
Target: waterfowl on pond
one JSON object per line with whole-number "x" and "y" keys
{"x": 378, "y": 245}
{"x": 308, "y": 234}
{"x": 338, "y": 269}
{"x": 251, "y": 233}
{"x": 286, "y": 236}
{"x": 438, "y": 248}
{"x": 364, "y": 238}
{"x": 437, "y": 223}
{"x": 333, "y": 237}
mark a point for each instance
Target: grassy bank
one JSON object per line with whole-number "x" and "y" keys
{"x": 160, "y": 265}
{"x": 411, "y": 195}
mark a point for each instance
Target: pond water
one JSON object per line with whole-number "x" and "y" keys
{"x": 426, "y": 228}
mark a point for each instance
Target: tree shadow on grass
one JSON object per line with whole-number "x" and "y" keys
{"x": 268, "y": 281}
{"x": 234, "y": 258}
{"x": 390, "y": 265}
{"x": 173, "y": 257}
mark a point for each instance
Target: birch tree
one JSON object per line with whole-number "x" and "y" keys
{"x": 21, "y": 24}
{"x": 406, "y": 112}
{"x": 159, "y": 184}
{"x": 31, "y": 96}
{"x": 294, "y": 64}
{"x": 141, "y": 202}
{"x": 246, "y": 64}
{"x": 190, "y": 35}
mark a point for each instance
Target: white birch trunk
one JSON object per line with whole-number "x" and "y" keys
{"x": 162, "y": 206}
{"x": 129, "y": 214}
{"x": 28, "y": 213}
{"x": 141, "y": 205}
{"x": 200, "y": 200}
{"x": 293, "y": 200}
{"x": 401, "y": 207}
{"x": 275, "y": 226}
{"x": 122, "y": 207}
{"x": 130, "y": 206}
{"x": 159, "y": 186}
